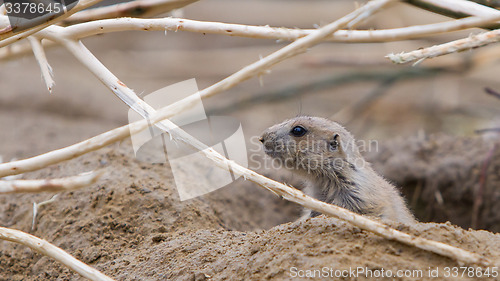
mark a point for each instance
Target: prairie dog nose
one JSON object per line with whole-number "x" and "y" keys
{"x": 264, "y": 137}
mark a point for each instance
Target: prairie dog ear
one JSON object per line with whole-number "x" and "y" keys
{"x": 335, "y": 142}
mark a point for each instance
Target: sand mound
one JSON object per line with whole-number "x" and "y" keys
{"x": 132, "y": 226}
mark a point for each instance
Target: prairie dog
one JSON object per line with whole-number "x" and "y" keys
{"x": 325, "y": 154}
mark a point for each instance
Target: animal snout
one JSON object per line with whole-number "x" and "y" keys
{"x": 264, "y": 138}
{"x": 269, "y": 144}
{"x": 266, "y": 141}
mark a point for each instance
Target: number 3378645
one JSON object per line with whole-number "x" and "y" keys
{"x": 32, "y": 8}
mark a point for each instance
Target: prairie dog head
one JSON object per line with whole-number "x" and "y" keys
{"x": 311, "y": 144}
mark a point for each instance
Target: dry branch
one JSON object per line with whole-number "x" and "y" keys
{"x": 52, "y": 251}
{"x": 460, "y": 45}
{"x": 463, "y": 7}
{"x": 456, "y": 9}
{"x": 8, "y": 36}
{"x": 83, "y": 30}
{"x": 78, "y": 149}
{"x": 36, "y": 206}
{"x": 263, "y": 32}
{"x": 49, "y": 185}
{"x": 45, "y": 67}
{"x": 140, "y": 8}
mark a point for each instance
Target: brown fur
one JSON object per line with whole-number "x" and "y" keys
{"x": 329, "y": 159}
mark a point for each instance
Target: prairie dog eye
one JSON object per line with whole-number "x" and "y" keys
{"x": 298, "y": 131}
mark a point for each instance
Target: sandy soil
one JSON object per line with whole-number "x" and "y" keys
{"x": 132, "y": 225}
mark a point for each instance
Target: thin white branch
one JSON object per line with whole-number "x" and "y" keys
{"x": 9, "y": 36}
{"x": 78, "y": 149}
{"x": 139, "y": 8}
{"x": 263, "y": 32}
{"x": 360, "y": 18}
{"x": 36, "y": 206}
{"x": 447, "y": 48}
{"x": 45, "y": 67}
{"x": 83, "y": 30}
{"x": 129, "y": 97}
{"x": 50, "y": 185}
{"x": 52, "y": 251}
{"x": 465, "y": 7}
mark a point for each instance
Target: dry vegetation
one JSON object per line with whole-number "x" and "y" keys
{"x": 358, "y": 26}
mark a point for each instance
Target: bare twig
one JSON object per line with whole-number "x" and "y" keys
{"x": 36, "y": 206}
{"x": 140, "y": 8}
{"x": 492, "y": 92}
{"x": 49, "y": 185}
{"x": 78, "y": 149}
{"x": 459, "y": 9}
{"x": 463, "y": 7}
{"x": 52, "y": 251}
{"x": 83, "y": 30}
{"x": 45, "y": 67}
{"x": 471, "y": 42}
{"x": 263, "y": 32}
{"x": 9, "y": 36}
{"x": 136, "y": 9}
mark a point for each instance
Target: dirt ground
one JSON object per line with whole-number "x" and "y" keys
{"x": 131, "y": 225}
